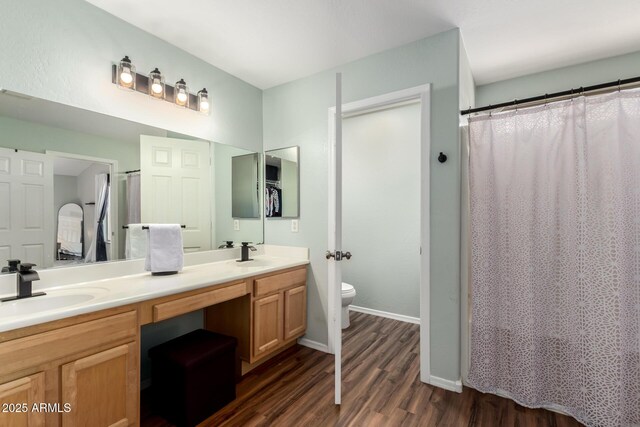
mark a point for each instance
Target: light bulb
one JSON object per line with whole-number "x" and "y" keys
{"x": 126, "y": 77}
{"x": 182, "y": 96}
{"x": 203, "y": 101}
{"x": 156, "y": 87}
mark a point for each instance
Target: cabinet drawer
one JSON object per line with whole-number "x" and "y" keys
{"x": 38, "y": 349}
{"x": 278, "y": 282}
{"x": 188, "y": 304}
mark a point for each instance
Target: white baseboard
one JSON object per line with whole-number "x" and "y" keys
{"x": 446, "y": 384}
{"x": 314, "y": 345}
{"x": 394, "y": 316}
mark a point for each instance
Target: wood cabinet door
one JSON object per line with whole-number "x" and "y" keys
{"x": 295, "y": 312}
{"x": 267, "y": 324}
{"x": 102, "y": 389}
{"x": 17, "y": 399}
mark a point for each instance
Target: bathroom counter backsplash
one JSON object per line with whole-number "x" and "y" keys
{"x": 79, "y": 290}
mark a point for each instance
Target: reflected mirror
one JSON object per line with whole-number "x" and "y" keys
{"x": 115, "y": 172}
{"x": 69, "y": 231}
{"x": 282, "y": 183}
{"x": 245, "y": 186}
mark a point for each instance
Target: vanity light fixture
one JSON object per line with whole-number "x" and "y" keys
{"x": 181, "y": 94}
{"x": 203, "y": 101}
{"x": 123, "y": 75}
{"x": 126, "y": 74}
{"x": 156, "y": 84}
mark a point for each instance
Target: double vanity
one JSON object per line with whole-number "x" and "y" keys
{"x": 75, "y": 352}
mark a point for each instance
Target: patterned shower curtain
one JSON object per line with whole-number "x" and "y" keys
{"x": 555, "y": 235}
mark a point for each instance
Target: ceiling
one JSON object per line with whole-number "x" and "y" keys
{"x": 69, "y": 167}
{"x": 270, "y": 42}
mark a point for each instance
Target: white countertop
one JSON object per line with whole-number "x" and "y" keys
{"x": 86, "y": 297}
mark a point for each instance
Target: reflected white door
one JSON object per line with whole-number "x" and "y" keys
{"x": 26, "y": 207}
{"x": 175, "y": 187}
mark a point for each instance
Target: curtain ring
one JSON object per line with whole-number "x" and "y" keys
{"x": 546, "y": 103}
{"x": 618, "y": 85}
{"x": 571, "y": 95}
{"x": 581, "y": 91}
{"x": 515, "y": 104}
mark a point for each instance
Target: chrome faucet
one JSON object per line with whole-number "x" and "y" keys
{"x": 25, "y": 278}
{"x": 245, "y": 252}
{"x": 228, "y": 245}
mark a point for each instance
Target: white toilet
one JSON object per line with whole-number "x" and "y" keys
{"x": 348, "y": 294}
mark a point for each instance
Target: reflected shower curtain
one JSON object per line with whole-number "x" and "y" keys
{"x": 555, "y": 230}
{"x": 98, "y": 249}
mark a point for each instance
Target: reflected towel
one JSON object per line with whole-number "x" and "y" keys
{"x": 136, "y": 242}
{"x": 165, "y": 253}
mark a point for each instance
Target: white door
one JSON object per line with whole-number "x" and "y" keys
{"x": 26, "y": 207}
{"x": 175, "y": 187}
{"x": 334, "y": 253}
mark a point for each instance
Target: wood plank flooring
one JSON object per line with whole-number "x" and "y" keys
{"x": 381, "y": 387}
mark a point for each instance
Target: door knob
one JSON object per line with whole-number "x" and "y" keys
{"x": 338, "y": 255}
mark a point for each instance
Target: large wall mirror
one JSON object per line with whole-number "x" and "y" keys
{"x": 282, "y": 183}
{"x": 71, "y": 181}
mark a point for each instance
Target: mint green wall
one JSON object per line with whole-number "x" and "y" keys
{"x": 467, "y": 84}
{"x": 62, "y": 51}
{"x": 588, "y": 73}
{"x": 31, "y": 136}
{"x": 296, "y": 113}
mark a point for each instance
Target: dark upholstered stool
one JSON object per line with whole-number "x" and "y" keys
{"x": 193, "y": 376}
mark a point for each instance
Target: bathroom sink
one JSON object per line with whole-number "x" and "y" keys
{"x": 53, "y": 300}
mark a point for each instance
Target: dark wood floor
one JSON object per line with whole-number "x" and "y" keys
{"x": 381, "y": 387}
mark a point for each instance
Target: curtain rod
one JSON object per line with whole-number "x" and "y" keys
{"x": 550, "y": 96}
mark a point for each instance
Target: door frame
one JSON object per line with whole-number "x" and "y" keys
{"x": 113, "y": 188}
{"x": 420, "y": 94}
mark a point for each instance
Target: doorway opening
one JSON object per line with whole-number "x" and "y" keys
{"x": 85, "y": 208}
{"x": 362, "y": 160}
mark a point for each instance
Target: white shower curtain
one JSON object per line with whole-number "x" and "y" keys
{"x": 555, "y": 223}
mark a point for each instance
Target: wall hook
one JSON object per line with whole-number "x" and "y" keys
{"x": 442, "y": 157}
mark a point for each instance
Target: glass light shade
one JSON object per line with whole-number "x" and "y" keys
{"x": 156, "y": 84}
{"x": 203, "y": 101}
{"x": 181, "y": 94}
{"x": 126, "y": 74}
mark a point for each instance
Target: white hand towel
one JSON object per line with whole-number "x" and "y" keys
{"x": 136, "y": 242}
{"x": 165, "y": 253}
